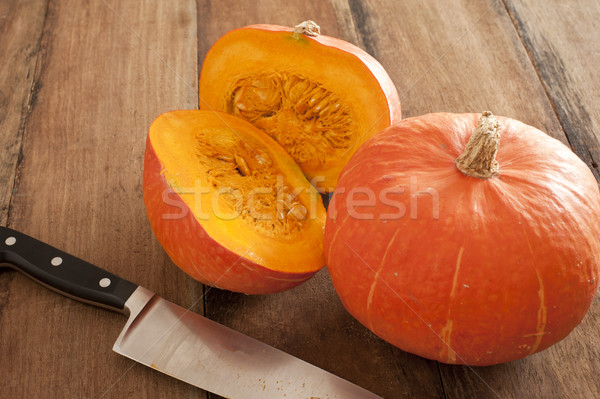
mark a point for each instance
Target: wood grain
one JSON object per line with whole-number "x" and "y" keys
{"x": 455, "y": 56}
{"x": 566, "y": 56}
{"x": 105, "y": 71}
{"x": 20, "y": 32}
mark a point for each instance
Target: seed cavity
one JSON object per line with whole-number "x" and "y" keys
{"x": 248, "y": 185}
{"x": 312, "y": 123}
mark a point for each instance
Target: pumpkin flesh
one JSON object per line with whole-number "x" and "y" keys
{"x": 461, "y": 269}
{"x": 319, "y": 97}
{"x": 220, "y": 194}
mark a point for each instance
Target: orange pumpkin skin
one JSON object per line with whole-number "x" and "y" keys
{"x": 460, "y": 269}
{"x": 347, "y": 72}
{"x": 193, "y": 250}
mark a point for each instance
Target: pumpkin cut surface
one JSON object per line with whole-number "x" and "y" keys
{"x": 462, "y": 269}
{"x": 295, "y": 111}
{"x": 317, "y": 96}
{"x": 229, "y": 205}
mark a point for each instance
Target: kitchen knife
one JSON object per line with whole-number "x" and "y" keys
{"x": 172, "y": 339}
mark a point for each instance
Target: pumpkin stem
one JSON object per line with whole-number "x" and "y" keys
{"x": 479, "y": 157}
{"x": 308, "y": 28}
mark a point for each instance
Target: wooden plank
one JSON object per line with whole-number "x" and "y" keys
{"x": 562, "y": 39}
{"x": 106, "y": 69}
{"x": 20, "y": 31}
{"x": 309, "y": 321}
{"x": 456, "y": 56}
{"x": 21, "y": 26}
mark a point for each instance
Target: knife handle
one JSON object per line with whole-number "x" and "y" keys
{"x": 62, "y": 272}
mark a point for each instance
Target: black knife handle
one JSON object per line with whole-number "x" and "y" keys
{"x": 62, "y": 272}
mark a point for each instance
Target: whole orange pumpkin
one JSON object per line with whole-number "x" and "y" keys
{"x": 466, "y": 239}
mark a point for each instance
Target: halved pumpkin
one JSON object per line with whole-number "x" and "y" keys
{"x": 229, "y": 205}
{"x": 317, "y": 96}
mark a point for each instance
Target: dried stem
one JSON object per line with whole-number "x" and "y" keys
{"x": 308, "y": 28}
{"x": 479, "y": 157}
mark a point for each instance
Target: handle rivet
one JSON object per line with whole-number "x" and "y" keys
{"x": 57, "y": 261}
{"x": 10, "y": 241}
{"x": 105, "y": 282}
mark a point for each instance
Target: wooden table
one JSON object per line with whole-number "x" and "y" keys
{"x": 80, "y": 83}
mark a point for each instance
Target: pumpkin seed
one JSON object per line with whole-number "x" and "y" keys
{"x": 242, "y": 166}
{"x": 298, "y": 211}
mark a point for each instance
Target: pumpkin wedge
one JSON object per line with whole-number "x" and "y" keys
{"x": 465, "y": 238}
{"x": 229, "y": 205}
{"x": 317, "y": 96}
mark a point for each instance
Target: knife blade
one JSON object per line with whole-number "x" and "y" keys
{"x": 172, "y": 339}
